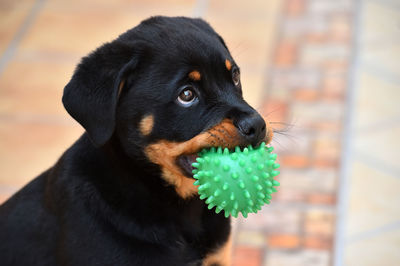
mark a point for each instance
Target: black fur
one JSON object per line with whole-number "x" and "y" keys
{"x": 104, "y": 202}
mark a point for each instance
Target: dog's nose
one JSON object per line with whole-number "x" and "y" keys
{"x": 252, "y": 128}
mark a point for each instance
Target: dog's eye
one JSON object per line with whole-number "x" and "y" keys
{"x": 187, "y": 97}
{"x": 236, "y": 77}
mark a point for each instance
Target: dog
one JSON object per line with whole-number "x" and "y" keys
{"x": 123, "y": 193}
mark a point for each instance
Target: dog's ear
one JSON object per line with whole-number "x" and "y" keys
{"x": 91, "y": 96}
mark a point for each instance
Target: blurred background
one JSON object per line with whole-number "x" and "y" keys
{"x": 325, "y": 73}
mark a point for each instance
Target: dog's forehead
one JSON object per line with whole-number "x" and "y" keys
{"x": 184, "y": 39}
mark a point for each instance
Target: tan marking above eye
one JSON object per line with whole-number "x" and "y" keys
{"x": 146, "y": 125}
{"x": 228, "y": 65}
{"x": 269, "y": 132}
{"x": 195, "y": 75}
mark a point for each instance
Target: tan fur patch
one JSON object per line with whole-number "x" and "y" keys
{"x": 146, "y": 125}
{"x": 121, "y": 85}
{"x": 195, "y": 75}
{"x": 228, "y": 65}
{"x": 269, "y": 132}
{"x": 165, "y": 153}
{"x": 221, "y": 256}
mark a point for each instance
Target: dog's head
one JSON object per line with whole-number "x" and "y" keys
{"x": 164, "y": 89}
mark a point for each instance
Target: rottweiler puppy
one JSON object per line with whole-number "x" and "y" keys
{"x": 123, "y": 194}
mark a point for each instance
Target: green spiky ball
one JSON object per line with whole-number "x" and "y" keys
{"x": 239, "y": 181}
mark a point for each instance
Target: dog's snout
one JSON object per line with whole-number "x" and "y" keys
{"x": 252, "y": 128}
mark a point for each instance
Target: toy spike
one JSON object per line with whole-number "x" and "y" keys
{"x": 274, "y": 173}
{"x": 226, "y": 214}
{"x": 217, "y": 193}
{"x": 210, "y": 199}
{"x": 234, "y": 213}
{"x": 235, "y": 175}
{"x": 275, "y": 183}
{"x": 226, "y": 151}
{"x": 265, "y": 175}
{"x": 232, "y": 197}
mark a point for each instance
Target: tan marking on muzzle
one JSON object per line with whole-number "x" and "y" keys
{"x": 269, "y": 132}
{"x": 165, "y": 153}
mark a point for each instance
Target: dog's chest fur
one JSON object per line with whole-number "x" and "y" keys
{"x": 76, "y": 219}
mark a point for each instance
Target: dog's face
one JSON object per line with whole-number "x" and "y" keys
{"x": 165, "y": 89}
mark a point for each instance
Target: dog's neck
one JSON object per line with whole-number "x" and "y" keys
{"x": 126, "y": 196}
{"x": 134, "y": 184}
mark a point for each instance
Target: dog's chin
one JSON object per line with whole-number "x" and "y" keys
{"x": 185, "y": 163}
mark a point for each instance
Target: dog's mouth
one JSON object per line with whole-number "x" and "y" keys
{"x": 185, "y": 163}
{"x": 176, "y": 158}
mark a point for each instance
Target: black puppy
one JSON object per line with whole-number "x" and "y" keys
{"x": 123, "y": 194}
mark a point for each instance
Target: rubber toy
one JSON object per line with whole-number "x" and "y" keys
{"x": 236, "y": 182}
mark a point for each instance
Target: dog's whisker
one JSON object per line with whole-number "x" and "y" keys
{"x": 236, "y": 52}
{"x": 282, "y": 123}
{"x": 272, "y": 111}
{"x": 285, "y": 134}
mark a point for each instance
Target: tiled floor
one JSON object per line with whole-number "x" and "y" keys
{"x": 329, "y": 69}
{"x": 372, "y": 225}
